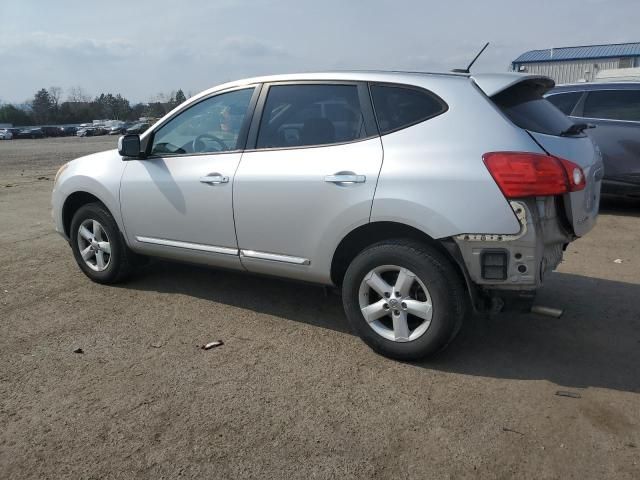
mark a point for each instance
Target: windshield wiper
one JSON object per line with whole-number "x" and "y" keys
{"x": 576, "y": 128}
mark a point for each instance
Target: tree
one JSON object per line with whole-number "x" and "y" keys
{"x": 42, "y": 106}
{"x": 55, "y": 93}
{"x": 180, "y": 98}
{"x": 77, "y": 94}
{"x": 14, "y": 116}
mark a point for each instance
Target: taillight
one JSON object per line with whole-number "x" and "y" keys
{"x": 521, "y": 174}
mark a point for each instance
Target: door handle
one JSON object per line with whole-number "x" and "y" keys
{"x": 214, "y": 179}
{"x": 345, "y": 178}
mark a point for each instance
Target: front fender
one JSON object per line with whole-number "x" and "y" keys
{"x": 99, "y": 175}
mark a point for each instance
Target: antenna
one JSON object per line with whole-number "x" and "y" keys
{"x": 468, "y": 69}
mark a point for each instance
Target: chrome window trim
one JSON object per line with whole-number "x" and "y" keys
{"x": 633, "y": 122}
{"x": 188, "y": 245}
{"x": 274, "y": 257}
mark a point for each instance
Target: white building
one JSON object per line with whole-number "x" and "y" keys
{"x": 581, "y": 64}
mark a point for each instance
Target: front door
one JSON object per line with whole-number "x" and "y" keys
{"x": 177, "y": 202}
{"x": 309, "y": 180}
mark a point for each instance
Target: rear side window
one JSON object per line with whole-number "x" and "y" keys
{"x": 565, "y": 102}
{"x": 524, "y": 105}
{"x": 306, "y": 115}
{"x": 613, "y": 105}
{"x": 400, "y": 107}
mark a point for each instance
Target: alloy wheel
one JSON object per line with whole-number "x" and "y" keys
{"x": 395, "y": 303}
{"x": 94, "y": 245}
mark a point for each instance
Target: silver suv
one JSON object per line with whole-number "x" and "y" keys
{"x": 422, "y": 196}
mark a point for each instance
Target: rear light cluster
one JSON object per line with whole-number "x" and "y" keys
{"x": 521, "y": 174}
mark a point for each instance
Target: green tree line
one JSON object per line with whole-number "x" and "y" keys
{"x": 47, "y": 108}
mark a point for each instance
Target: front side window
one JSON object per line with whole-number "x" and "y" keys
{"x": 565, "y": 102}
{"x": 305, "y": 115}
{"x": 213, "y": 125}
{"x": 400, "y": 107}
{"x": 613, "y": 105}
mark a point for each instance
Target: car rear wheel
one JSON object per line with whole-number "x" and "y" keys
{"x": 98, "y": 245}
{"x": 404, "y": 299}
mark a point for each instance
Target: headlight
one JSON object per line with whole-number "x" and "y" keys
{"x": 59, "y": 172}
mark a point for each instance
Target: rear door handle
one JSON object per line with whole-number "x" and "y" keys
{"x": 214, "y": 179}
{"x": 345, "y": 178}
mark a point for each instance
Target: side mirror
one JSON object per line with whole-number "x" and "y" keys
{"x": 129, "y": 146}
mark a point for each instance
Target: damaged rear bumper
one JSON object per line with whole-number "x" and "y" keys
{"x": 506, "y": 270}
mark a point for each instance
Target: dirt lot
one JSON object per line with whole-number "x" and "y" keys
{"x": 292, "y": 394}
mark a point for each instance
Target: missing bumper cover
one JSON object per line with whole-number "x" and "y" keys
{"x": 494, "y": 264}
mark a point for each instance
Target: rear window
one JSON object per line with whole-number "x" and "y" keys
{"x": 565, "y": 102}
{"x": 613, "y": 105}
{"x": 524, "y": 105}
{"x": 400, "y": 107}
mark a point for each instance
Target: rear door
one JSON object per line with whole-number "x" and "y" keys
{"x": 523, "y": 103}
{"x": 309, "y": 179}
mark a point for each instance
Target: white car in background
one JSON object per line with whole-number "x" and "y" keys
{"x": 5, "y": 134}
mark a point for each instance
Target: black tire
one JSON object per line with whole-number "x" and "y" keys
{"x": 447, "y": 291}
{"x": 121, "y": 259}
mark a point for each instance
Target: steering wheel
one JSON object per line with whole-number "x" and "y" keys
{"x": 198, "y": 145}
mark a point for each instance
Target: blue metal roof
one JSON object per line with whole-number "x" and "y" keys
{"x": 580, "y": 53}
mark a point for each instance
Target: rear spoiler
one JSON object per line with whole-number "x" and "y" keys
{"x": 493, "y": 83}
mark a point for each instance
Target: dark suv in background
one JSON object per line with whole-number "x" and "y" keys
{"x": 614, "y": 108}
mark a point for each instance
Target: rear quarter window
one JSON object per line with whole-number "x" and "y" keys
{"x": 398, "y": 107}
{"x": 524, "y": 105}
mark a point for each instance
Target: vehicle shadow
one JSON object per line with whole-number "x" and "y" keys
{"x": 622, "y": 206}
{"x": 596, "y": 343}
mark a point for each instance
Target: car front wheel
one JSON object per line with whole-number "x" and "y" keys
{"x": 98, "y": 246}
{"x": 404, "y": 299}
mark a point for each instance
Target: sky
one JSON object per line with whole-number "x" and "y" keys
{"x": 143, "y": 48}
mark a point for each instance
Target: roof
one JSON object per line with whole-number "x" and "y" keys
{"x": 338, "y": 75}
{"x": 490, "y": 83}
{"x": 580, "y": 53}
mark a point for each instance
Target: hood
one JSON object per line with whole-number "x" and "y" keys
{"x": 98, "y": 158}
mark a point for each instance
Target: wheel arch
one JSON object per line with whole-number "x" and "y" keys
{"x": 73, "y": 203}
{"x": 368, "y": 234}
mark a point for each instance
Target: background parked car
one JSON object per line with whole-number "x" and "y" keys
{"x": 29, "y": 133}
{"x": 118, "y": 129}
{"x": 51, "y": 131}
{"x": 5, "y": 134}
{"x": 68, "y": 131}
{"x": 614, "y": 108}
{"x": 138, "y": 128}
{"x": 86, "y": 132}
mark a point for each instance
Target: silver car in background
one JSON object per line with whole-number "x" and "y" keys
{"x": 5, "y": 134}
{"x": 421, "y": 196}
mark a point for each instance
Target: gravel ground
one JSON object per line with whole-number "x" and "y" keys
{"x": 293, "y": 394}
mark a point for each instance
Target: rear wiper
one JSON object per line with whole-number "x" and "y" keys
{"x": 576, "y": 128}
